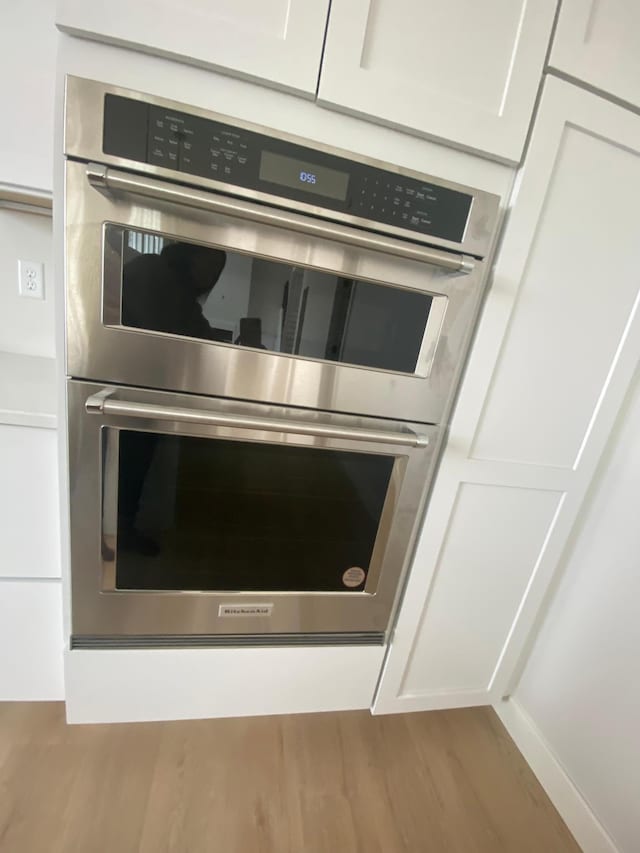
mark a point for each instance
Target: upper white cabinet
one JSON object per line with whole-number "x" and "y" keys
{"x": 279, "y": 41}
{"x": 555, "y": 353}
{"x": 462, "y": 71}
{"x": 597, "y": 41}
{"x": 27, "y": 95}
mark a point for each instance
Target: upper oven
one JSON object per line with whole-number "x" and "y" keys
{"x": 202, "y": 283}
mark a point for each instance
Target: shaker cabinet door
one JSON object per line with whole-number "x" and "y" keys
{"x": 596, "y": 41}
{"x": 275, "y": 41}
{"x": 555, "y": 353}
{"x": 462, "y": 71}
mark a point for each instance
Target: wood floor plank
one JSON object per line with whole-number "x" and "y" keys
{"x": 439, "y": 782}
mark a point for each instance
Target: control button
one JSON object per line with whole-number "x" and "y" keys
{"x": 432, "y": 198}
{"x": 407, "y": 203}
{"x": 158, "y": 155}
{"x": 414, "y": 220}
{"x": 396, "y": 202}
{"x": 410, "y": 191}
{"x": 424, "y": 221}
{"x": 420, "y": 195}
{"x": 227, "y": 170}
{"x": 214, "y": 152}
{"x": 213, "y": 167}
{"x": 242, "y": 160}
{"x": 398, "y": 188}
{"x": 229, "y": 155}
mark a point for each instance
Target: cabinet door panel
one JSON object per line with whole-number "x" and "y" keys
{"x": 29, "y": 513}
{"x": 597, "y": 41}
{"x": 277, "y": 41}
{"x": 493, "y": 541}
{"x": 577, "y": 296}
{"x": 461, "y": 71}
{"x": 556, "y": 350}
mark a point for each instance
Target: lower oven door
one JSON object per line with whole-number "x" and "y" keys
{"x": 201, "y": 520}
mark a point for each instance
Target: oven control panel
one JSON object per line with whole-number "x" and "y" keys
{"x": 190, "y": 144}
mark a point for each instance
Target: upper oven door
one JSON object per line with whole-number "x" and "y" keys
{"x": 179, "y": 289}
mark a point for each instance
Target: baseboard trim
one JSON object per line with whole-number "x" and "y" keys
{"x": 573, "y": 808}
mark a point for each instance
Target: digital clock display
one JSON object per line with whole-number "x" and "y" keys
{"x": 300, "y": 175}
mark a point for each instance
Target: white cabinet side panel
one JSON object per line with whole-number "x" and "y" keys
{"x": 493, "y": 543}
{"x": 580, "y": 685}
{"x": 31, "y": 643}
{"x": 29, "y": 529}
{"x": 576, "y": 295}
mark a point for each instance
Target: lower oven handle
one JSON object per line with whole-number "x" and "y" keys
{"x": 103, "y": 403}
{"x": 112, "y": 179}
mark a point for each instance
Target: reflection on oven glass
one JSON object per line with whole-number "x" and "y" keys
{"x": 204, "y": 292}
{"x": 209, "y": 514}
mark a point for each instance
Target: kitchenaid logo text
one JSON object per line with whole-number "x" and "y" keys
{"x": 245, "y": 609}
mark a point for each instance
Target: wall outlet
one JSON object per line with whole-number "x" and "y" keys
{"x": 31, "y": 279}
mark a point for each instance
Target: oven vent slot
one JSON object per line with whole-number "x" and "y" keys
{"x": 195, "y": 641}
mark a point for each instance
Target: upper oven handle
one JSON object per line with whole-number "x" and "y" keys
{"x": 103, "y": 403}
{"x": 112, "y": 179}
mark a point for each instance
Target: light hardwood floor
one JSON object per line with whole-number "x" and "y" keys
{"x": 436, "y": 782}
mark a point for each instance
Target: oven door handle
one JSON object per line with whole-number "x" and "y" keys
{"x": 103, "y": 403}
{"x": 111, "y": 179}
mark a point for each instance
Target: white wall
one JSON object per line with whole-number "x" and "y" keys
{"x": 27, "y": 84}
{"x": 580, "y": 686}
{"x": 27, "y": 324}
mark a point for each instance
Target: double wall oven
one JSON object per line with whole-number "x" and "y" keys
{"x": 263, "y": 341}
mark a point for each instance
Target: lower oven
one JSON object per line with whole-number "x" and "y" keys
{"x": 202, "y": 520}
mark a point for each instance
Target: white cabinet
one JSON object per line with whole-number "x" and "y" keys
{"x": 556, "y": 350}
{"x": 464, "y": 72}
{"x": 279, "y": 41}
{"x": 28, "y": 56}
{"x": 596, "y": 41}
{"x": 29, "y": 515}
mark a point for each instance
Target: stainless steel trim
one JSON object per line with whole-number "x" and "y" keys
{"x": 112, "y": 179}
{"x": 163, "y": 641}
{"x": 103, "y": 404}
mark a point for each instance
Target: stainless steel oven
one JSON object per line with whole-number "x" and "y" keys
{"x": 263, "y": 340}
{"x": 199, "y": 517}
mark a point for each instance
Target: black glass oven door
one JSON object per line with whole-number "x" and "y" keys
{"x": 202, "y": 514}
{"x": 204, "y": 292}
